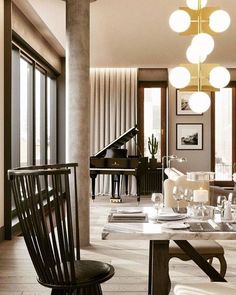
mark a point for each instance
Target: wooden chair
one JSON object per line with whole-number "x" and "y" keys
{"x": 43, "y": 202}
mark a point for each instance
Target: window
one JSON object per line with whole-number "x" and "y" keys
{"x": 223, "y": 122}
{"x": 34, "y": 105}
{"x": 151, "y": 116}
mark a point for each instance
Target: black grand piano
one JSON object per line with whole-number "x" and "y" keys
{"x": 114, "y": 160}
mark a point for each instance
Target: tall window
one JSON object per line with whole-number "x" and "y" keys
{"x": 223, "y": 134}
{"x": 152, "y": 116}
{"x": 223, "y": 149}
{"x": 34, "y": 108}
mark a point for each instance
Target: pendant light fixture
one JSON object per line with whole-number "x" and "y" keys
{"x": 202, "y": 22}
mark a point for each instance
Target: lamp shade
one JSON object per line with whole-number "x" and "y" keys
{"x": 194, "y": 56}
{"x": 219, "y": 21}
{"x": 203, "y": 43}
{"x": 199, "y": 102}
{"x": 179, "y": 21}
{"x": 219, "y": 77}
{"x": 180, "y": 77}
{"x": 193, "y": 4}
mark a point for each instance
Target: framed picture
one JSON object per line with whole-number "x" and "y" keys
{"x": 189, "y": 136}
{"x": 182, "y": 106}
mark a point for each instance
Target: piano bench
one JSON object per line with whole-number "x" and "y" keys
{"x": 206, "y": 248}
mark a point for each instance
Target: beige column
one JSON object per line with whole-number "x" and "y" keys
{"x": 78, "y": 103}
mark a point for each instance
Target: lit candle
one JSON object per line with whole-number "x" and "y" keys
{"x": 200, "y": 195}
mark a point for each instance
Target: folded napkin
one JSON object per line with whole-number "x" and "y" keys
{"x": 129, "y": 216}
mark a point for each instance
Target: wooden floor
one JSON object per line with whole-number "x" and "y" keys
{"x": 130, "y": 259}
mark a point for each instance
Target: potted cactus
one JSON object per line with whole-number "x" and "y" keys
{"x": 153, "y": 149}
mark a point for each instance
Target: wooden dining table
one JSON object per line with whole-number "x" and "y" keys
{"x": 159, "y": 237}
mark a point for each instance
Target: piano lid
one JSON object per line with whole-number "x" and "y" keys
{"x": 117, "y": 143}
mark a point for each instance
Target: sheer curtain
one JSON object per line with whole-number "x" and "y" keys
{"x": 113, "y": 111}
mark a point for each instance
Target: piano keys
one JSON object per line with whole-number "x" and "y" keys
{"x": 113, "y": 160}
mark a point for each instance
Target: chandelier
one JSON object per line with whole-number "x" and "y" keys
{"x": 202, "y": 22}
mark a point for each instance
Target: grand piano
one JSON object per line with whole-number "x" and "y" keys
{"x": 113, "y": 160}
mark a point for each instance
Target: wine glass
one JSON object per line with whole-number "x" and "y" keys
{"x": 178, "y": 196}
{"x": 158, "y": 200}
{"x": 220, "y": 203}
{"x": 188, "y": 196}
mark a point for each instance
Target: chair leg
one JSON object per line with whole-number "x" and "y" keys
{"x": 223, "y": 265}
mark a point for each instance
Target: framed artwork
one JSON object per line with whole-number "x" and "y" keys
{"x": 189, "y": 136}
{"x": 182, "y": 106}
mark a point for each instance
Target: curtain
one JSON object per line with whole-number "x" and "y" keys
{"x": 113, "y": 111}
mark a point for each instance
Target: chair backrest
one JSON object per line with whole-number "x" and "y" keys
{"x": 43, "y": 203}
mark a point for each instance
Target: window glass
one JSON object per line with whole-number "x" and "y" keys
{"x": 39, "y": 117}
{"x": 51, "y": 120}
{"x": 26, "y": 78}
{"x": 152, "y": 118}
{"x": 223, "y": 134}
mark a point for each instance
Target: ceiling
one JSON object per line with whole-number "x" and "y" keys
{"x": 135, "y": 33}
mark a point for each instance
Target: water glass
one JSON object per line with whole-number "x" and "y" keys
{"x": 158, "y": 200}
{"x": 232, "y": 199}
{"x": 221, "y": 203}
{"x": 178, "y": 195}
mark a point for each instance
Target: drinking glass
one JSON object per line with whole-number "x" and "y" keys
{"x": 220, "y": 203}
{"x": 178, "y": 196}
{"x": 157, "y": 199}
{"x": 188, "y": 196}
{"x": 232, "y": 199}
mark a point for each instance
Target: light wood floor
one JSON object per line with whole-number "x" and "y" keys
{"x": 130, "y": 259}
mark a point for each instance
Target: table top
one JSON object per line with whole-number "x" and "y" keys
{"x": 156, "y": 231}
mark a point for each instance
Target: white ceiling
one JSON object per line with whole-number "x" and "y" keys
{"x": 135, "y": 33}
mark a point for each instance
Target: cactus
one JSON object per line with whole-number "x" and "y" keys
{"x": 152, "y": 146}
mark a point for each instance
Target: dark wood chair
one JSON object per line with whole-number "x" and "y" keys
{"x": 50, "y": 226}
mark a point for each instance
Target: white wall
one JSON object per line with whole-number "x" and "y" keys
{"x": 53, "y": 14}
{"x": 199, "y": 160}
{"x": 1, "y": 112}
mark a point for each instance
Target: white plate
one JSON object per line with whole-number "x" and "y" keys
{"x": 175, "y": 225}
{"x": 129, "y": 211}
{"x": 171, "y": 217}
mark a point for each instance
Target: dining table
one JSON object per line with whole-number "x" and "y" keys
{"x": 160, "y": 235}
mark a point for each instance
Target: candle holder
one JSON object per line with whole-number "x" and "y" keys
{"x": 200, "y": 197}
{"x": 201, "y": 211}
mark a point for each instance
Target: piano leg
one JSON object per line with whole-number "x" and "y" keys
{"x": 115, "y": 179}
{"x": 138, "y": 188}
{"x": 93, "y": 177}
{"x": 126, "y": 184}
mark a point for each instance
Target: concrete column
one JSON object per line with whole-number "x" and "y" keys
{"x": 78, "y": 103}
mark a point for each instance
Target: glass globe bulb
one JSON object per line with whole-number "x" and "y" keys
{"x": 194, "y": 56}
{"x": 199, "y": 102}
{"x": 179, "y": 21}
{"x": 193, "y": 4}
{"x": 219, "y": 77}
{"x": 219, "y": 21}
{"x": 204, "y": 43}
{"x": 180, "y": 77}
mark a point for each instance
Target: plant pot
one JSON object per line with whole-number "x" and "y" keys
{"x": 153, "y": 163}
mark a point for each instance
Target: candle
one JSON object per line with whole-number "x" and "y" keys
{"x": 200, "y": 195}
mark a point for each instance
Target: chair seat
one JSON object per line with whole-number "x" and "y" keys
{"x": 203, "y": 247}
{"x": 205, "y": 289}
{"x": 90, "y": 270}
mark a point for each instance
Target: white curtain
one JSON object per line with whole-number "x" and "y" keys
{"x": 113, "y": 111}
